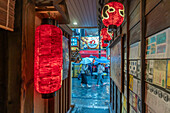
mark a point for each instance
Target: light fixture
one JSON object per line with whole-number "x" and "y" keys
{"x": 74, "y": 23}
{"x": 48, "y": 58}
{"x": 113, "y": 14}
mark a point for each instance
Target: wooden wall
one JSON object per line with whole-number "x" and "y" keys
{"x": 143, "y": 19}
{"x": 3, "y": 70}
{"x": 17, "y": 93}
{"x": 16, "y": 61}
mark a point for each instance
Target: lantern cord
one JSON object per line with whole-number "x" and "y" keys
{"x": 49, "y": 14}
{"x": 121, "y": 1}
{"x": 113, "y": 0}
{"x": 57, "y": 23}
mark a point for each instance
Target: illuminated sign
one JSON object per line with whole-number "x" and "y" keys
{"x": 89, "y": 43}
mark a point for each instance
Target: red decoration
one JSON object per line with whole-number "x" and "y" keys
{"x": 88, "y": 53}
{"x": 48, "y": 59}
{"x": 113, "y": 14}
{"x": 104, "y": 44}
{"x": 105, "y": 35}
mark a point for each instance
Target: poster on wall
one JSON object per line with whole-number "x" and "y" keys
{"x": 89, "y": 43}
{"x": 116, "y": 65}
{"x": 158, "y": 102}
{"x": 135, "y": 51}
{"x": 131, "y": 82}
{"x": 65, "y": 57}
{"x": 168, "y": 75}
{"x": 158, "y": 45}
{"x": 149, "y": 70}
{"x": 159, "y": 72}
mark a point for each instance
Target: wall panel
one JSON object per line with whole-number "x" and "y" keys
{"x": 158, "y": 19}
{"x": 135, "y": 34}
{"x": 150, "y": 4}
{"x": 133, "y": 4}
{"x": 135, "y": 17}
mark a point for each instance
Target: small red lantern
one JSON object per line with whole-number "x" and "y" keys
{"x": 113, "y": 14}
{"x": 48, "y": 59}
{"x": 104, "y": 45}
{"x": 105, "y": 34}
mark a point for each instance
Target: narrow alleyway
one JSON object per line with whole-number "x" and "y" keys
{"x": 91, "y": 100}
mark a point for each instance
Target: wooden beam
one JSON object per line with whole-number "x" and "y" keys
{"x": 27, "y": 56}
{"x": 85, "y": 27}
{"x": 128, "y": 52}
{"x": 143, "y": 45}
{"x": 46, "y": 12}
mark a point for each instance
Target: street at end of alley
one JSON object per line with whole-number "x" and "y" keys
{"x": 93, "y": 99}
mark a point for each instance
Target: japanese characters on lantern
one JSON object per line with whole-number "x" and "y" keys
{"x": 113, "y": 14}
{"x": 105, "y": 37}
{"x": 48, "y": 59}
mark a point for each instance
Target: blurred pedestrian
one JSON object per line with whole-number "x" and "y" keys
{"x": 107, "y": 68}
{"x": 84, "y": 70}
{"x": 90, "y": 68}
{"x": 100, "y": 70}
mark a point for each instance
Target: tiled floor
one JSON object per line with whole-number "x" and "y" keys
{"x": 91, "y": 100}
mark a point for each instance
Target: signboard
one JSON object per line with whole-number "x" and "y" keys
{"x": 74, "y": 41}
{"x": 89, "y": 43}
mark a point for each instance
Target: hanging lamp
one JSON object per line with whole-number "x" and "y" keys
{"x": 105, "y": 34}
{"x": 48, "y": 58}
{"x": 112, "y": 14}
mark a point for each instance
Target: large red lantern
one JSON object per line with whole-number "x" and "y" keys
{"x": 105, "y": 34}
{"x": 48, "y": 59}
{"x": 113, "y": 14}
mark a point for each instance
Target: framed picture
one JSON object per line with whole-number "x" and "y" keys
{"x": 116, "y": 58}
{"x": 65, "y": 58}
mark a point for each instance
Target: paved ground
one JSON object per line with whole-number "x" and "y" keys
{"x": 93, "y": 99}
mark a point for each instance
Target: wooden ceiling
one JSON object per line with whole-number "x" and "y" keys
{"x": 55, "y": 9}
{"x": 84, "y": 12}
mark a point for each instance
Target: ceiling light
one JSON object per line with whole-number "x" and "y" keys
{"x": 75, "y": 23}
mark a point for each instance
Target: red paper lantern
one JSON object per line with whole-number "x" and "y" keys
{"x": 104, "y": 45}
{"x": 105, "y": 34}
{"x": 48, "y": 59}
{"x": 113, "y": 14}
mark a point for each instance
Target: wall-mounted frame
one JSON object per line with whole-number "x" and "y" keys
{"x": 65, "y": 57}
{"x": 116, "y": 58}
